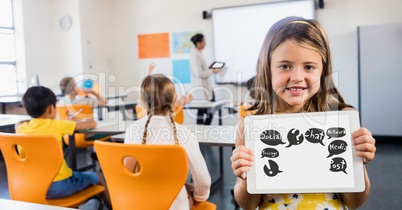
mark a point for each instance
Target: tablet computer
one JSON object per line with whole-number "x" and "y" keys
{"x": 304, "y": 153}
{"x": 217, "y": 65}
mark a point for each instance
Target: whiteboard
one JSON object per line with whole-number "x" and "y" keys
{"x": 238, "y": 33}
{"x": 380, "y": 74}
{"x": 304, "y": 153}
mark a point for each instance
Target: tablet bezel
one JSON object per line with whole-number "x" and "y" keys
{"x": 357, "y": 161}
{"x": 216, "y": 62}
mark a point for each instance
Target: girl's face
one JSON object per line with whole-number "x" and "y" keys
{"x": 296, "y": 73}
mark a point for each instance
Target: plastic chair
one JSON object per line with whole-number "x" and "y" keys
{"x": 80, "y": 141}
{"x": 178, "y": 114}
{"x": 30, "y": 177}
{"x": 205, "y": 205}
{"x": 242, "y": 111}
{"x": 162, "y": 175}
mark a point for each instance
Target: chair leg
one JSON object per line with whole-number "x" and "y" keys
{"x": 94, "y": 159}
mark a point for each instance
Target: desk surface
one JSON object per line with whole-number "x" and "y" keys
{"x": 12, "y": 204}
{"x": 205, "y": 134}
{"x": 204, "y": 104}
{"x": 108, "y": 127}
{"x": 117, "y": 104}
{"x": 10, "y": 99}
{"x": 7, "y": 120}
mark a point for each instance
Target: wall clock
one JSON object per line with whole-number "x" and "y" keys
{"x": 65, "y": 22}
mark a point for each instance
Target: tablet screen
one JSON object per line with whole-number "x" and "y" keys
{"x": 217, "y": 65}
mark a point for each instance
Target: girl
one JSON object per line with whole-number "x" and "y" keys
{"x": 294, "y": 75}
{"x": 157, "y": 96}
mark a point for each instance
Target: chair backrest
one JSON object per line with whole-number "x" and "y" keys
{"x": 140, "y": 111}
{"x": 162, "y": 175}
{"x": 178, "y": 114}
{"x": 29, "y": 178}
{"x": 242, "y": 111}
{"x": 63, "y": 111}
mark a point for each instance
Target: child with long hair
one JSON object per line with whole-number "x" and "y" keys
{"x": 158, "y": 127}
{"x": 294, "y": 74}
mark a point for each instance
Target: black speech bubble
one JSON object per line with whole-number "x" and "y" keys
{"x": 269, "y": 153}
{"x": 315, "y": 135}
{"x": 336, "y": 132}
{"x": 271, "y": 137}
{"x": 337, "y": 147}
{"x": 294, "y": 137}
{"x": 273, "y": 169}
{"x": 338, "y": 164}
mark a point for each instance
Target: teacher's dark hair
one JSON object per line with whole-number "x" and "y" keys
{"x": 197, "y": 38}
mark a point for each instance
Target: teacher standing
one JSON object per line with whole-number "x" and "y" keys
{"x": 201, "y": 75}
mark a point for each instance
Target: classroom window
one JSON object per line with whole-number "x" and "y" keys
{"x": 8, "y": 80}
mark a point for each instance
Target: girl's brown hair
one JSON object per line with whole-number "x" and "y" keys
{"x": 308, "y": 34}
{"x": 157, "y": 97}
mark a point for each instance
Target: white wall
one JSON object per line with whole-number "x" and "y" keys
{"x": 49, "y": 51}
{"x": 106, "y": 39}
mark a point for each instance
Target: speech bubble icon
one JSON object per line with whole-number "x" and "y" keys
{"x": 294, "y": 137}
{"x": 336, "y": 132}
{"x": 338, "y": 164}
{"x": 269, "y": 153}
{"x": 315, "y": 135}
{"x": 271, "y": 137}
{"x": 337, "y": 147}
{"x": 272, "y": 169}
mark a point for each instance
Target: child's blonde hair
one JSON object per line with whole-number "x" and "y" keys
{"x": 157, "y": 97}
{"x": 308, "y": 34}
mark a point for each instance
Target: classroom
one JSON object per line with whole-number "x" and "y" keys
{"x": 112, "y": 44}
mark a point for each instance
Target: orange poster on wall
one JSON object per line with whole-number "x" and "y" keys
{"x": 153, "y": 45}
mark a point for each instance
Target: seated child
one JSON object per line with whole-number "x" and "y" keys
{"x": 70, "y": 91}
{"x": 40, "y": 104}
{"x": 158, "y": 127}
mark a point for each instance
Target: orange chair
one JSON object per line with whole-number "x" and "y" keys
{"x": 30, "y": 177}
{"x": 140, "y": 111}
{"x": 80, "y": 142}
{"x": 162, "y": 175}
{"x": 205, "y": 205}
{"x": 178, "y": 114}
{"x": 155, "y": 186}
{"x": 242, "y": 111}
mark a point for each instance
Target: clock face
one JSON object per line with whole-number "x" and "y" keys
{"x": 65, "y": 22}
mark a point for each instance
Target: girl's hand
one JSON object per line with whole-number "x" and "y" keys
{"x": 364, "y": 144}
{"x": 151, "y": 67}
{"x": 188, "y": 98}
{"x": 88, "y": 90}
{"x": 242, "y": 159}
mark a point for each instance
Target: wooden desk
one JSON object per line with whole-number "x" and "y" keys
{"x": 6, "y": 100}
{"x": 221, "y": 136}
{"x": 12, "y": 204}
{"x": 116, "y": 106}
{"x": 211, "y": 107}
